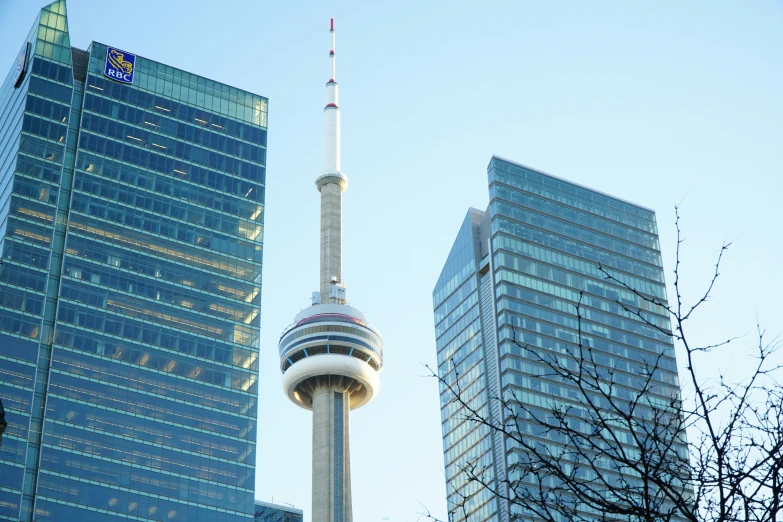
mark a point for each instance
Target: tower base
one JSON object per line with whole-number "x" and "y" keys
{"x": 331, "y": 454}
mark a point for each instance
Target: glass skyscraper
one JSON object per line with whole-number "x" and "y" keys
{"x": 512, "y": 279}
{"x": 131, "y": 225}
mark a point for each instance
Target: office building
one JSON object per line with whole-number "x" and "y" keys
{"x": 331, "y": 355}
{"x": 512, "y": 279}
{"x": 266, "y": 512}
{"x": 131, "y": 218}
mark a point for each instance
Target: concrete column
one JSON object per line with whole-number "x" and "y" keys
{"x": 331, "y": 456}
{"x": 331, "y": 236}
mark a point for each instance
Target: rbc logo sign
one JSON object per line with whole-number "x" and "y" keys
{"x": 119, "y": 65}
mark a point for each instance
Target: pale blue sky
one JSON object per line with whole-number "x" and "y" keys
{"x": 647, "y": 101}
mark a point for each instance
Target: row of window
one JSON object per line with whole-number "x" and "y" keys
{"x": 464, "y": 358}
{"x": 17, "y": 348}
{"x": 94, "y": 444}
{"x": 330, "y": 328}
{"x": 621, "y": 301}
{"x": 666, "y": 361}
{"x": 55, "y": 91}
{"x": 452, "y": 284}
{"x": 446, "y": 363}
{"x": 167, "y": 165}
{"x": 609, "y": 372}
{"x": 158, "y": 290}
{"x": 105, "y": 503}
{"x": 151, "y": 431}
{"x": 47, "y": 109}
{"x": 30, "y": 232}
{"x": 173, "y": 109}
{"x": 152, "y": 311}
{"x": 124, "y": 326}
{"x": 329, "y": 344}
{"x": 550, "y": 396}
{"x": 55, "y": 71}
{"x": 146, "y": 245}
{"x": 169, "y": 147}
{"x": 571, "y": 214}
{"x": 175, "y": 83}
{"x": 455, "y": 314}
{"x": 23, "y": 276}
{"x": 568, "y": 317}
{"x": 202, "y": 238}
{"x": 20, "y": 323}
{"x": 582, "y": 251}
{"x": 32, "y": 211}
{"x": 21, "y": 400}
{"x": 10, "y": 477}
{"x": 552, "y": 225}
{"x": 569, "y": 333}
{"x": 157, "y": 123}
{"x": 38, "y": 168}
{"x": 44, "y": 128}
{"x": 23, "y": 253}
{"x": 575, "y": 264}
{"x": 447, "y": 306}
{"x": 141, "y": 406}
{"x": 36, "y": 189}
{"x": 570, "y": 190}
{"x": 41, "y": 148}
{"x": 147, "y": 367}
{"x": 17, "y": 373}
{"x": 22, "y": 300}
{"x": 590, "y": 396}
{"x": 117, "y": 473}
{"x": 162, "y": 372}
{"x": 171, "y": 271}
{"x": 460, "y": 324}
{"x": 249, "y": 208}
{"x": 448, "y": 350}
{"x": 167, "y": 206}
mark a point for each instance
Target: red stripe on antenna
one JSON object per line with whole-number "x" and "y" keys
{"x": 332, "y": 25}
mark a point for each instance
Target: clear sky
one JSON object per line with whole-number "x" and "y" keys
{"x": 647, "y": 101}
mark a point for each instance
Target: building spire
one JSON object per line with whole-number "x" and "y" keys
{"x": 331, "y": 183}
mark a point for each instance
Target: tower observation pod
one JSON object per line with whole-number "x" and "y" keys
{"x": 331, "y": 355}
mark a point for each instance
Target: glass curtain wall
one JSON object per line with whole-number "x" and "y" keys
{"x": 461, "y": 352}
{"x": 131, "y": 239}
{"x": 34, "y": 126}
{"x": 512, "y": 279}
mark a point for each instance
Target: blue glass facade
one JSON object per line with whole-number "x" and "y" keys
{"x": 266, "y": 512}
{"x": 516, "y": 271}
{"x": 131, "y": 227}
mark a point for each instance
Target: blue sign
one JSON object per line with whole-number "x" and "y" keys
{"x": 21, "y": 65}
{"x": 120, "y": 65}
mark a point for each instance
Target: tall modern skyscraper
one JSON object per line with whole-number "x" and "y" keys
{"x": 131, "y": 219}
{"x": 331, "y": 355}
{"x": 513, "y": 277}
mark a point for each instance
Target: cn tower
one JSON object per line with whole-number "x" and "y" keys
{"x": 331, "y": 355}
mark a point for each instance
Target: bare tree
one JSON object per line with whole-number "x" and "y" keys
{"x": 607, "y": 453}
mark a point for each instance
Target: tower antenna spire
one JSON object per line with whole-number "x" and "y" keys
{"x": 331, "y": 183}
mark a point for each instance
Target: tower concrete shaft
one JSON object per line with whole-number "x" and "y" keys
{"x": 331, "y": 455}
{"x": 331, "y": 239}
{"x": 331, "y": 183}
